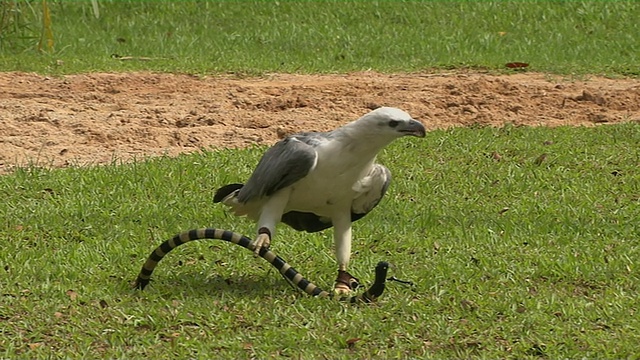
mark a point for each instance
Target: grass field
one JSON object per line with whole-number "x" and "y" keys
{"x": 249, "y": 37}
{"x": 553, "y": 276}
{"x": 529, "y": 254}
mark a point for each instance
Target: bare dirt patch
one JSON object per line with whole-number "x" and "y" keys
{"x": 96, "y": 118}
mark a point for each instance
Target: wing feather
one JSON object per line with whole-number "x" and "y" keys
{"x": 282, "y": 165}
{"x": 375, "y": 185}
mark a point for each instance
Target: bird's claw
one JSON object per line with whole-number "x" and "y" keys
{"x": 345, "y": 283}
{"x": 261, "y": 241}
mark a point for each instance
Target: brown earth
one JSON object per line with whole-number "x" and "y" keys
{"x": 96, "y": 118}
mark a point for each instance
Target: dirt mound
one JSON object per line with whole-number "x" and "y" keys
{"x": 95, "y": 118}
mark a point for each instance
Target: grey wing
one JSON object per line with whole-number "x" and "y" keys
{"x": 282, "y": 165}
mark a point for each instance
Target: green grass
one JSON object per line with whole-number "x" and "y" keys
{"x": 554, "y": 276}
{"x": 511, "y": 258}
{"x": 255, "y": 37}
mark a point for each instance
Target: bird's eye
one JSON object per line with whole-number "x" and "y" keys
{"x": 393, "y": 123}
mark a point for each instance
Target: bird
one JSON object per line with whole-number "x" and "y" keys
{"x": 313, "y": 181}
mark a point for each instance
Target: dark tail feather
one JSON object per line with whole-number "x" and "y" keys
{"x": 224, "y": 191}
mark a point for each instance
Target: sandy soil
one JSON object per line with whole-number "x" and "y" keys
{"x": 95, "y": 118}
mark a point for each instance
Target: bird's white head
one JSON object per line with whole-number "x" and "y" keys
{"x": 389, "y": 123}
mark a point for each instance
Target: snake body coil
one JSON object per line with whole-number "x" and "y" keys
{"x": 285, "y": 269}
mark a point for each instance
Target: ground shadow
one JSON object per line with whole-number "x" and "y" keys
{"x": 211, "y": 285}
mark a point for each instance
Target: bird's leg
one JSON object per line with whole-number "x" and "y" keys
{"x": 345, "y": 282}
{"x": 270, "y": 215}
{"x": 263, "y": 240}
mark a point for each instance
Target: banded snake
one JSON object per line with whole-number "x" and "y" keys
{"x": 370, "y": 295}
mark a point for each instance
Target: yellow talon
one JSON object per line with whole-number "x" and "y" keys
{"x": 345, "y": 283}
{"x": 261, "y": 241}
{"x": 342, "y": 289}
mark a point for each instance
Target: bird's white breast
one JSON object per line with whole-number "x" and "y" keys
{"x": 332, "y": 183}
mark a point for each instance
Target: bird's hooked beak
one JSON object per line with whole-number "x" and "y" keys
{"x": 412, "y": 128}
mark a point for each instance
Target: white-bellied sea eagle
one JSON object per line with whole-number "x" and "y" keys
{"x": 315, "y": 180}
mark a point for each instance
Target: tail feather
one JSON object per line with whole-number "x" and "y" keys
{"x": 225, "y": 191}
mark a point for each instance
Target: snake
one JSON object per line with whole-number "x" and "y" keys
{"x": 291, "y": 274}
